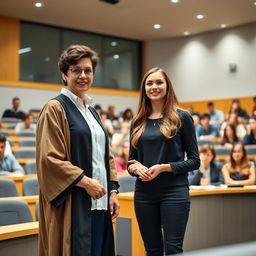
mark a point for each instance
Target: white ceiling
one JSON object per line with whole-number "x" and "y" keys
{"x": 134, "y": 18}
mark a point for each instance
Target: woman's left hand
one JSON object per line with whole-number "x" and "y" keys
{"x": 114, "y": 205}
{"x": 154, "y": 171}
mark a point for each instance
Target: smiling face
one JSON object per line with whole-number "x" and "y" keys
{"x": 79, "y": 83}
{"x": 156, "y": 86}
{"x": 237, "y": 153}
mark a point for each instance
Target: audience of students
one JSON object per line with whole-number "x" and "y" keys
{"x": 8, "y": 163}
{"x": 26, "y": 125}
{"x": 250, "y": 138}
{"x": 14, "y": 112}
{"x": 216, "y": 116}
{"x": 209, "y": 172}
{"x": 121, "y": 160}
{"x": 239, "y": 170}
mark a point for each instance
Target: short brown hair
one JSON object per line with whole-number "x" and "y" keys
{"x": 207, "y": 147}
{"x": 73, "y": 54}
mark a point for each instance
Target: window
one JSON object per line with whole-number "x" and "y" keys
{"x": 41, "y": 46}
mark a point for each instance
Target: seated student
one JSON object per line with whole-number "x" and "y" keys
{"x": 229, "y": 138}
{"x": 119, "y": 138}
{"x": 196, "y": 119}
{"x": 14, "y": 112}
{"x": 216, "y": 116}
{"x": 8, "y": 149}
{"x": 237, "y": 109}
{"x": 209, "y": 172}
{"x": 239, "y": 170}
{"x": 121, "y": 161}
{"x": 206, "y": 130}
{"x": 126, "y": 116}
{"x": 250, "y": 139}
{"x": 26, "y": 124}
{"x": 106, "y": 123}
{"x": 8, "y": 163}
{"x": 233, "y": 119}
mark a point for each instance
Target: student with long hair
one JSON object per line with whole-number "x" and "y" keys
{"x": 161, "y": 135}
{"x": 229, "y": 136}
{"x": 239, "y": 170}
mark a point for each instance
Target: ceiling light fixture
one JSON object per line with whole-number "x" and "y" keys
{"x": 223, "y": 25}
{"x": 200, "y": 16}
{"x": 174, "y": 1}
{"x": 254, "y": 3}
{"x": 38, "y": 4}
{"x": 157, "y": 26}
{"x": 113, "y": 43}
{"x": 186, "y": 33}
{"x": 116, "y": 56}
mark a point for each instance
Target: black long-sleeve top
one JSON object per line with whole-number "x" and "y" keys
{"x": 153, "y": 148}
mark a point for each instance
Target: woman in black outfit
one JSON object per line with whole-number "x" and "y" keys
{"x": 161, "y": 134}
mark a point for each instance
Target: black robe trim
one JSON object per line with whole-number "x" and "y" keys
{"x": 81, "y": 156}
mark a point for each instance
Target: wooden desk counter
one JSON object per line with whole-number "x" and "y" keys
{"x": 19, "y": 181}
{"x": 31, "y": 200}
{"x": 19, "y": 230}
{"x": 218, "y": 217}
{"x": 19, "y": 239}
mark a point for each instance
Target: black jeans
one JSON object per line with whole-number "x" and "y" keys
{"x": 162, "y": 214}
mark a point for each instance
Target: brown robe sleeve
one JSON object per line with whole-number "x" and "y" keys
{"x": 113, "y": 172}
{"x": 55, "y": 171}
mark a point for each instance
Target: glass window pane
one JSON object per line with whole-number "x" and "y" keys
{"x": 41, "y": 45}
{"x": 39, "y": 53}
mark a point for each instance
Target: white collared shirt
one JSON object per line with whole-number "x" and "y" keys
{"x": 98, "y": 146}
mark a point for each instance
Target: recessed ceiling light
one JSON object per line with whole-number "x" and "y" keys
{"x": 200, "y": 16}
{"x": 223, "y": 25}
{"x": 113, "y": 43}
{"x": 186, "y": 33}
{"x": 116, "y": 56}
{"x": 254, "y": 3}
{"x": 25, "y": 50}
{"x": 157, "y": 26}
{"x": 174, "y": 1}
{"x": 38, "y": 4}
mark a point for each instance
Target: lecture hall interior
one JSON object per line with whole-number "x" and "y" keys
{"x": 208, "y": 50}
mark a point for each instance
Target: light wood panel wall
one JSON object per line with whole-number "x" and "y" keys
{"x": 9, "y": 46}
{"x": 221, "y": 104}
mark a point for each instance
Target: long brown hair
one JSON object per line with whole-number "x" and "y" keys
{"x": 171, "y": 119}
{"x": 244, "y": 161}
{"x": 225, "y": 137}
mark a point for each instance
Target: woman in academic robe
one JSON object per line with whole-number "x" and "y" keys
{"x": 76, "y": 173}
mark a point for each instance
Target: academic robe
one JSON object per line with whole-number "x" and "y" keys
{"x": 56, "y": 174}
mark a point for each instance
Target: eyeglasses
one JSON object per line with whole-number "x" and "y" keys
{"x": 79, "y": 71}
